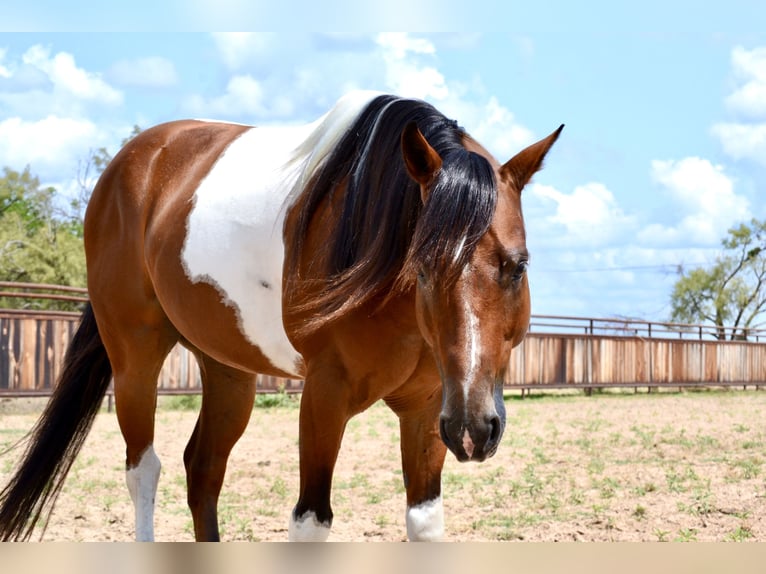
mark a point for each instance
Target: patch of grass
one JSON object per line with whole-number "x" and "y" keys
{"x": 576, "y": 496}
{"x": 645, "y": 436}
{"x": 183, "y": 403}
{"x": 267, "y": 511}
{"x": 235, "y": 526}
{"x": 276, "y": 400}
{"x": 360, "y": 480}
{"x": 374, "y": 498}
{"x": 702, "y": 501}
{"x": 740, "y": 534}
{"x": 707, "y": 442}
{"x": 679, "y": 481}
{"x": 686, "y": 535}
{"x": 396, "y": 485}
{"x": 553, "y": 504}
{"x": 455, "y": 479}
{"x": 749, "y": 467}
{"x": 540, "y": 455}
{"x": 279, "y": 487}
{"x": 532, "y": 482}
{"x": 596, "y": 466}
{"x": 644, "y": 489}
{"x": 608, "y": 487}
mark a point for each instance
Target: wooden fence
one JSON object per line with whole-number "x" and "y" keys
{"x": 596, "y": 361}
{"x": 32, "y": 346}
{"x": 558, "y": 352}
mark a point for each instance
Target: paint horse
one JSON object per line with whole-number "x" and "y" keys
{"x": 378, "y": 253}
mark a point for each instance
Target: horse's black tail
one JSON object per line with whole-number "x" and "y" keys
{"x": 58, "y": 435}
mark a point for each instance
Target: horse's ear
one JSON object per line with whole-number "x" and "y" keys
{"x": 420, "y": 158}
{"x": 521, "y": 167}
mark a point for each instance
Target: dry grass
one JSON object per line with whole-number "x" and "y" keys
{"x": 660, "y": 467}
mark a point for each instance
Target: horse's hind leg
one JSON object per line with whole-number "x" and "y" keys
{"x": 227, "y": 403}
{"x": 423, "y": 455}
{"x": 137, "y": 355}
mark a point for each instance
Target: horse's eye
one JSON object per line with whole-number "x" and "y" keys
{"x": 521, "y": 268}
{"x": 512, "y": 272}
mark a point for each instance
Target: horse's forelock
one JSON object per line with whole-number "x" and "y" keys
{"x": 457, "y": 213}
{"x": 381, "y": 229}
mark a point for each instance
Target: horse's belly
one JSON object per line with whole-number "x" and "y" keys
{"x": 234, "y": 238}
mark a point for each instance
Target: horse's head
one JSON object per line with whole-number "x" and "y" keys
{"x": 473, "y": 307}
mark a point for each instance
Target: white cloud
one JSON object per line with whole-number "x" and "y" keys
{"x": 39, "y": 85}
{"x": 68, "y": 79}
{"x": 749, "y": 66}
{"x": 238, "y": 49}
{"x": 244, "y": 95}
{"x": 52, "y": 146}
{"x": 150, "y": 72}
{"x": 4, "y": 71}
{"x": 589, "y": 216}
{"x": 745, "y": 138}
{"x": 406, "y": 75}
{"x": 707, "y": 202}
{"x": 486, "y": 119}
{"x": 743, "y": 141}
{"x": 314, "y": 71}
{"x": 492, "y": 124}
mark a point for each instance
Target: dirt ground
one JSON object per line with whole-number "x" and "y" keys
{"x": 660, "y": 467}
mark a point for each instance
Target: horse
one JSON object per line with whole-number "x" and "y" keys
{"x": 376, "y": 253}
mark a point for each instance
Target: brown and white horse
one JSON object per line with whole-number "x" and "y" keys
{"x": 378, "y": 253}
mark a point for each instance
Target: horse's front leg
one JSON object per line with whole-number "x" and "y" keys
{"x": 323, "y": 418}
{"x": 422, "y": 458}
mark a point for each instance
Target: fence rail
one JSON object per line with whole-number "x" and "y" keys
{"x": 558, "y": 352}
{"x": 625, "y": 327}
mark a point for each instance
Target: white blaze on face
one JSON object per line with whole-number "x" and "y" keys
{"x": 472, "y": 334}
{"x": 472, "y": 340}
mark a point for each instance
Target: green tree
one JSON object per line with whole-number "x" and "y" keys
{"x": 41, "y": 232}
{"x": 732, "y": 291}
{"x": 37, "y": 244}
{"x": 21, "y": 194}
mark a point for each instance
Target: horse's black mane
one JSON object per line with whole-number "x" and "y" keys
{"x": 383, "y": 234}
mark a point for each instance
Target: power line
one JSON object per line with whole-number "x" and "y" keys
{"x": 668, "y": 267}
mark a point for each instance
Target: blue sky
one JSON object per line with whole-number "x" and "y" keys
{"x": 665, "y": 112}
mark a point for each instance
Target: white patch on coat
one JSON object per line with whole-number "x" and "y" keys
{"x": 425, "y": 522}
{"x": 142, "y": 484}
{"x": 307, "y": 529}
{"x": 234, "y": 237}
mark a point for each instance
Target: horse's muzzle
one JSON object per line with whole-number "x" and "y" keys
{"x": 474, "y": 439}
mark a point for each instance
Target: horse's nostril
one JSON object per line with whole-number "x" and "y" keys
{"x": 495, "y": 427}
{"x": 443, "y": 431}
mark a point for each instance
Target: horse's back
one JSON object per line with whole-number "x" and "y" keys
{"x": 185, "y": 223}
